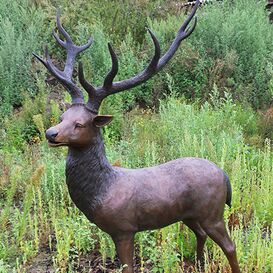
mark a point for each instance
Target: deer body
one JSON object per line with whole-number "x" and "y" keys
{"x": 146, "y": 198}
{"x": 122, "y": 201}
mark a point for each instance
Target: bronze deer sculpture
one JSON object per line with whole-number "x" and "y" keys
{"x": 124, "y": 201}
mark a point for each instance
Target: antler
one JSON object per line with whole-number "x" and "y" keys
{"x": 96, "y": 95}
{"x": 65, "y": 76}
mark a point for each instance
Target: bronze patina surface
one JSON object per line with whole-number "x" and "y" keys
{"x": 125, "y": 201}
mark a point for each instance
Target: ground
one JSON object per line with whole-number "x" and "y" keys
{"x": 89, "y": 263}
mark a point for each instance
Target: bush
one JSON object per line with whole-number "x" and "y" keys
{"x": 225, "y": 51}
{"x": 26, "y": 126}
{"x": 117, "y": 17}
{"x": 19, "y": 36}
{"x": 231, "y": 47}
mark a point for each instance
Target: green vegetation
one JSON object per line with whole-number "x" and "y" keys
{"x": 231, "y": 48}
{"x": 19, "y": 36}
{"x": 36, "y": 210}
{"x": 213, "y": 101}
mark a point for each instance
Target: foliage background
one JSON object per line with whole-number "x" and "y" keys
{"x": 213, "y": 100}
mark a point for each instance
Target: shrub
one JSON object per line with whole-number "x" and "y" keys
{"x": 226, "y": 51}
{"x": 19, "y": 36}
{"x": 117, "y": 17}
{"x": 231, "y": 47}
{"x": 26, "y": 125}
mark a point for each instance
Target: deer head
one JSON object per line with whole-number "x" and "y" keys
{"x": 80, "y": 124}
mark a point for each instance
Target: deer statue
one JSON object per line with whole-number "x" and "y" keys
{"x": 124, "y": 201}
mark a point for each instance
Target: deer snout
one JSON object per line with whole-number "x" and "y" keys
{"x": 51, "y": 134}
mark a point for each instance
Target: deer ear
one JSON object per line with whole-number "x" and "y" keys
{"x": 102, "y": 120}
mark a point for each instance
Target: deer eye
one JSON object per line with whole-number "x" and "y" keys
{"x": 78, "y": 125}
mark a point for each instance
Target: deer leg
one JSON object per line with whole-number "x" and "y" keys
{"x": 201, "y": 237}
{"x": 218, "y": 233}
{"x": 125, "y": 250}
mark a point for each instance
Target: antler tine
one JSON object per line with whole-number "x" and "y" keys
{"x": 143, "y": 76}
{"x": 65, "y": 76}
{"x": 57, "y": 38}
{"x": 114, "y": 70}
{"x": 90, "y": 89}
{"x": 72, "y": 49}
{"x": 190, "y": 30}
{"x": 39, "y": 59}
{"x": 182, "y": 34}
{"x": 186, "y": 23}
{"x": 69, "y": 43}
{"x": 154, "y": 62}
{"x": 61, "y": 29}
{"x": 48, "y": 64}
{"x": 53, "y": 69}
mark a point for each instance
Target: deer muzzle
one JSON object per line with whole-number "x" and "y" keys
{"x": 51, "y": 136}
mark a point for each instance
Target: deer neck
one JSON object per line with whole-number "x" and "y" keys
{"x": 90, "y": 162}
{"x": 88, "y": 174}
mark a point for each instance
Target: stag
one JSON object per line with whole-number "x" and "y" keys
{"x": 124, "y": 201}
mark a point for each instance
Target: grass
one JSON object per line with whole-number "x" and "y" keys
{"x": 37, "y": 213}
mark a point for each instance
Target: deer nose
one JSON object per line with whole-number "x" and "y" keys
{"x": 51, "y": 134}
